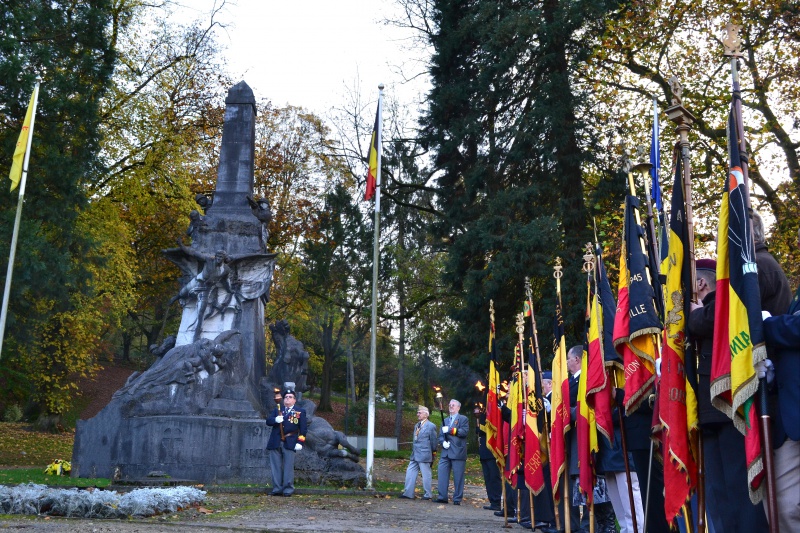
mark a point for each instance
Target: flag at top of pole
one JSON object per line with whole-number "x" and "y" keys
{"x": 18, "y": 174}
{"x": 655, "y": 160}
{"x": 23, "y": 142}
{"x": 374, "y": 150}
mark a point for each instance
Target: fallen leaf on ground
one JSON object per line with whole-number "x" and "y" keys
{"x": 204, "y": 510}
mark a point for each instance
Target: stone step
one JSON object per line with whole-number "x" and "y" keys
{"x": 233, "y": 393}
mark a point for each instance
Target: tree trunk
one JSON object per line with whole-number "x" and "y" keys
{"x": 327, "y": 364}
{"x": 401, "y": 351}
{"x": 351, "y": 377}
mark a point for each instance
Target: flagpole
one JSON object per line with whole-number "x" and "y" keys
{"x": 683, "y": 120}
{"x": 564, "y": 498}
{"x": 373, "y": 334}
{"x": 18, "y": 218}
{"x": 733, "y": 51}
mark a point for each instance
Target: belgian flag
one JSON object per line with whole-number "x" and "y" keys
{"x": 374, "y": 148}
{"x": 678, "y": 407}
{"x": 494, "y": 418}
{"x": 738, "y": 331}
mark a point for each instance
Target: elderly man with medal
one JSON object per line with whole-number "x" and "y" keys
{"x": 423, "y": 449}
{"x": 287, "y": 437}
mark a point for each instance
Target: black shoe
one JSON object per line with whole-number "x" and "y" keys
{"x": 456, "y": 503}
{"x": 500, "y": 513}
{"x": 425, "y": 498}
{"x": 288, "y": 494}
{"x": 275, "y": 494}
{"x": 526, "y": 525}
{"x": 512, "y": 519}
{"x": 404, "y": 497}
{"x": 492, "y": 508}
{"x": 439, "y": 500}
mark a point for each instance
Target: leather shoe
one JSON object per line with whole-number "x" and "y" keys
{"x": 456, "y": 503}
{"x": 439, "y": 500}
{"x": 526, "y": 524}
{"x": 491, "y": 508}
{"x": 426, "y": 498}
{"x": 511, "y": 513}
{"x": 404, "y": 497}
{"x": 512, "y": 519}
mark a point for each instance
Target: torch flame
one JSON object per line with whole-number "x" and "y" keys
{"x": 480, "y": 386}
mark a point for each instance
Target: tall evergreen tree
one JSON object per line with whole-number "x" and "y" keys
{"x": 69, "y": 44}
{"x": 510, "y": 149}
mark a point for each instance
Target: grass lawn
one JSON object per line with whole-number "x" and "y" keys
{"x": 22, "y": 446}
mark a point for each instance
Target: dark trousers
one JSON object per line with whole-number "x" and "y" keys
{"x": 726, "y": 481}
{"x": 491, "y": 477}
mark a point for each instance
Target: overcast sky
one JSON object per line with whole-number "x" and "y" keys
{"x": 309, "y": 52}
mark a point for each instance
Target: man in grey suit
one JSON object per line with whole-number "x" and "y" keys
{"x": 422, "y": 450}
{"x": 453, "y": 439}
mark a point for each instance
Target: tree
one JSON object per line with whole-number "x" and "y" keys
{"x": 510, "y": 152}
{"x": 49, "y": 336}
{"x": 336, "y": 277}
{"x": 646, "y": 44}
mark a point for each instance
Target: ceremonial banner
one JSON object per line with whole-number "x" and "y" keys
{"x": 559, "y": 405}
{"x": 374, "y": 148}
{"x": 598, "y": 388}
{"x": 494, "y": 418}
{"x": 678, "y": 406}
{"x": 738, "y": 334}
{"x": 534, "y": 468}
{"x": 636, "y": 320}
{"x": 587, "y": 436}
{"x": 516, "y": 403}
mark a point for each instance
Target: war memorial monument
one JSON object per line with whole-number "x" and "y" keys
{"x": 198, "y": 413}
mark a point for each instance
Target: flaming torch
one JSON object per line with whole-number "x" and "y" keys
{"x": 278, "y": 397}
{"x": 439, "y": 400}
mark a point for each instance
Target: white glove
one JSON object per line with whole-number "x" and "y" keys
{"x": 658, "y": 367}
{"x": 765, "y": 315}
{"x": 547, "y": 405}
{"x": 446, "y": 445}
{"x": 298, "y": 447}
{"x": 445, "y": 429}
{"x": 765, "y": 369}
{"x": 279, "y": 419}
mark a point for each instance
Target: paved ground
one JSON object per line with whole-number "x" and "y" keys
{"x": 334, "y": 512}
{"x": 299, "y": 513}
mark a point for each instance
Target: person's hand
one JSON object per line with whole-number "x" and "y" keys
{"x": 658, "y": 367}
{"x": 765, "y": 369}
{"x": 693, "y": 306}
{"x": 765, "y": 315}
{"x": 445, "y": 429}
{"x": 279, "y": 419}
{"x": 298, "y": 447}
{"x": 446, "y": 445}
{"x": 547, "y": 405}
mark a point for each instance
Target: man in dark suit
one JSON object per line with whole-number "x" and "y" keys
{"x": 491, "y": 473}
{"x": 453, "y": 440}
{"x": 782, "y": 335}
{"x": 286, "y": 438}
{"x": 727, "y": 500}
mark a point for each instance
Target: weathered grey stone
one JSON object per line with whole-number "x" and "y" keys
{"x": 198, "y": 412}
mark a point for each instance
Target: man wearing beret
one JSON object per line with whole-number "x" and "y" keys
{"x": 453, "y": 439}
{"x": 422, "y": 449}
{"x": 287, "y": 437}
{"x": 727, "y": 501}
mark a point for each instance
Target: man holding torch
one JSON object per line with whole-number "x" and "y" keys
{"x": 453, "y": 439}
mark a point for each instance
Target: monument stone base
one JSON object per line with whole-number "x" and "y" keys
{"x": 208, "y": 449}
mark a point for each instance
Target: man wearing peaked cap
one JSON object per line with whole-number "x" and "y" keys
{"x": 287, "y": 437}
